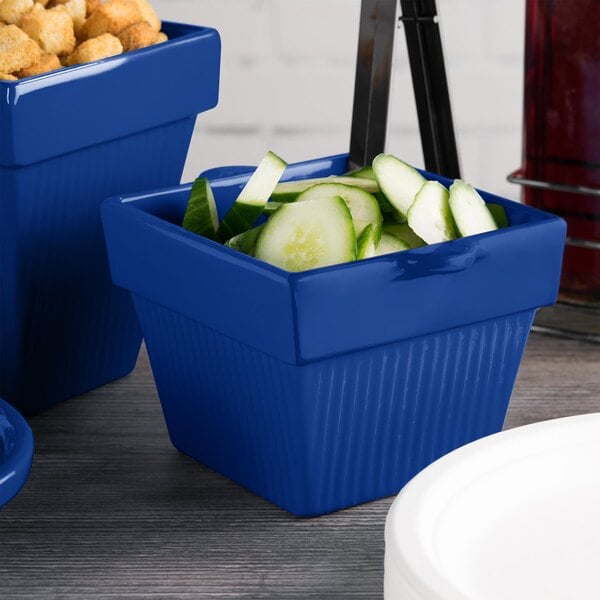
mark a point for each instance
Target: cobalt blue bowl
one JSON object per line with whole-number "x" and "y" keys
{"x": 69, "y": 139}
{"x": 16, "y": 452}
{"x": 328, "y": 388}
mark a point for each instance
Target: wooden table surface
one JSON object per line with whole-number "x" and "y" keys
{"x": 112, "y": 510}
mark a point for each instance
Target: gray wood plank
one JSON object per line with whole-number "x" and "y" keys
{"x": 111, "y": 510}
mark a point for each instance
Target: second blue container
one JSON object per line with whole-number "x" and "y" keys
{"x": 69, "y": 139}
{"x": 328, "y": 388}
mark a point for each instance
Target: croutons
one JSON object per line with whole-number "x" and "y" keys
{"x": 12, "y": 11}
{"x": 112, "y": 17}
{"x": 77, "y": 11}
{"x": 149, "y": 15}
{"x": 97, "y": 48}
{"x": 160, "y": 38}
{"x": 91, "y": 6}
{"x": 51, "y": 29}
{"x": 17, "y": 50}
{"x": 138, "y": 36}
{"x": 38, "y": 36}
{"x": 48, "y": 62}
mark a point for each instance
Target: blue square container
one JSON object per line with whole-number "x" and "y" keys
{"x": 325, "y": 389}
{"x": 69, "y": 139}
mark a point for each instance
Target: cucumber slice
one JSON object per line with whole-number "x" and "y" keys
{"x": 403, "y": 232}
{"x": 366, "y": 244}
{"x": 430, "y": 216}
{"x": 390, "y": 243}
{"x": 363, "y": 206}
{"x": 398, "y": 181}
{"x": 308, "y": 235}
{"x": 252, "y": 199}
{"x": 271, "y": 207}
{"x": 363, "y": 173}
{"x": 290, "y": 190}
{"x": 246, "y": 242}
{"x": 498, "y": 213}
{"x": 201, "y": 213}
{"x": 469, "y": 210}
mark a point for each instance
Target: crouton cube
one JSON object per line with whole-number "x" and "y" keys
{"x": 48, "y": 62}
{"x": 7, "y": 77}
{"x": 51, "y": 29}
{"x": 137, "y": 36}
{"x": 77, "y": 10}
{"x": 149, "y": 15}
{"x": 12, "y": 11}
{"x": 17, "y": 50}
{"x": 161, "y": 38}
{"x": 112, "y": 17}
{"x": 91, "y": 6}
{"x": 97, "y": 48}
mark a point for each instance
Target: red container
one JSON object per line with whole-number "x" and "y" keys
{"x": 561, "y": 137}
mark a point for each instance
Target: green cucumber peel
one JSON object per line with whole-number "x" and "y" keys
{"x": 365, "y": 243}
{"x": 498, "y": 213}
{"x": 250, "y": 203}
{"x": 201, "y": 213}
{"x": 245, "y": 242}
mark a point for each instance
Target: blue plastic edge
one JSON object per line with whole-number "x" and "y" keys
{"x": 44, "y": 116}
{"x": 15, "y": 470}
{"x": 288, "y": 315}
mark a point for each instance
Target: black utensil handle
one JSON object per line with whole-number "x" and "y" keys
{"x": 430, "y": 85}
{"x": 373, "y": 76}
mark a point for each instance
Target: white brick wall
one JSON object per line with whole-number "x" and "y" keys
{"x": 288, "y": 75}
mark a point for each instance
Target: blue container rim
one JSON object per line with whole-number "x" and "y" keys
{"x": 15, "y": 469}
{"x": 177, "y": 231}
{"x": 178, "y": 34}
{"x": 331, "y": 310}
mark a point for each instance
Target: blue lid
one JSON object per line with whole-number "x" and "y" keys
{"x": 16, "y": 452}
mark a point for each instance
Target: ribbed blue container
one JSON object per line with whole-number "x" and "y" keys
{"x": 16, "y": 452}
{"x": 325, "y": 389}
{"x": 70, "y": 139}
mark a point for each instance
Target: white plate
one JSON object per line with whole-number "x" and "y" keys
{"x": 514, "y": 516}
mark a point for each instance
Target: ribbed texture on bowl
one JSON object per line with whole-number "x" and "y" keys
{"x": 65, "y": 328}
{"x": 338, "y": 432}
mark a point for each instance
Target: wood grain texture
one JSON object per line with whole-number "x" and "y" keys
{"x": 112, "y": 510}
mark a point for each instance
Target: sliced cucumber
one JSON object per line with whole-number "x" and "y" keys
{"x": 366, "y": 244}
{"x": 389, "y": 243}
{"x": 363, "y": 206}
{"x": 246, "y": 242}
{"x": 498, "y": 213}
{"x": 308, "y": 235}
{"x": 201, "y": 213}
{"x": 469, "y": 210}
{"x": 252, "y": 199}
{"x": 398, "y": 181}
{"x": 363, "y": 173}
{"x": 430, "y": 216}
{"x": 403, "y": 232}
{"x": 290, "y": 190}
{"x": 271, "y": 207}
